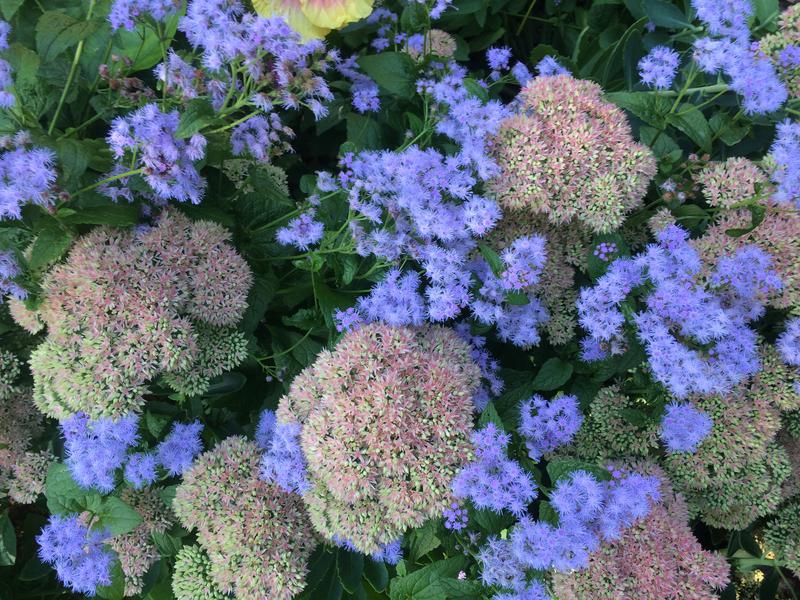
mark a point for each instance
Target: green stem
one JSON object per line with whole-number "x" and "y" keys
{"x": 283, "y": 352}
{"x": 525, "y": 18}
{"x": 704, "y": 89}
{"x": 108, "y": 180}
{"x": 234, "y": 124}
{"x": 72, "y": 70}
{"x": 788, "y": 583}
{"x": 295, "y": 212}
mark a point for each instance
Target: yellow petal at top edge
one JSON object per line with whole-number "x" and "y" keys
{"x": 335, "y": 14}
{"x": 293, "y": 13}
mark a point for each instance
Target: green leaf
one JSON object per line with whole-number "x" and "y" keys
{"x": 423, "y": 584}
{"x": 8, "y": 541}
{"x": 394, "y": 72}
{"x": 167, "y": 545}
{"x": 489, "y": 415}
{"x": 227, "y": 383}
{"x": 692, "y": 122}
{"x": 650, "y": 108}
{"x": 10, "y": 7}
{"x": 661, "y": 143}
{"x": 553, "y": 374}
{"x": 423, "y": 539}
{"x": 493, "y": 258}
{"x": 34, "y": 569}
{"x": 25, "y": 63}
{"x": 198, "y": 114}
{"x": 665, "y": 14}
{"x": 350, "y": 566}
{"x": 547, "y": 513}
{"x": 57, "y": 31}
{"x": 118, "y": 215}
{"x": 766, "y": 9}
{"x": 363, "y": 131}
{"x": 376, "y": 574}
{"x": 115, "y": 591}
{"x": 726, "y": 129}
{"x": 689, "y": 215}
{"x": 560, "y": 469}
{"x": 142, "y": 45}
{"x": 73, "y": 158}
{"x": 414, "y": 17}
{"x": 50, "y": 245}
{"x": 117, "y": 516}
{"x": 491, "y": 521}
{"x": 757, "y": 214}
{"x": 461, "y": 589}
{"x": 63, "y": 494}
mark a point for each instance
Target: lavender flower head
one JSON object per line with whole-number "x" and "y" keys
{"x": 283, "y": 462}
{"x": 725, "y": 18}
{"x": 302, "y": 232}
{"x": 141, "y": 469}
{"x": 549, "y": 66}
{"x": 80, "y": 558}
{"x": 9, "y": 269}
{"x": 683, "y": 427}
{"x": 178, "y": 450}
{"x": 126, "y": 13}
{"x": 681, "y": 307}
{"x": 96, "y": 449}
{"x": 27, "y": 176}
{"x": 785, "y": 156}
{"x": 658, "y": 68}
{"x": 493, "y": 481}
{"x": 546, "y": 425}
{"x": 788, "y": 343}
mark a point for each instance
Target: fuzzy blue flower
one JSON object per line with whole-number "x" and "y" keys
{"x": 140, "y": 470}
{"x": 80, "y": 558}
{"x": 549, "y": 66}
{"x": 302, "y": 232}
{"x": 127, "y": 13}
{"x": 9, "y": 269}
{"x": 498, "y": 58}
{"x": 658, "y": 67}
{"x": 283, "y": 462}
{"x": 96, "y": 449}
{"x": 27, "y": 175}
{"x": 683, "y": 427}
{"x": 178, "y": 450}
{"x": 395, "y": 300}
{"x": 546, "y": 425}
{"x": 785, "y": 155}
{"x": 788, "y": 343}
{"x": 494, "y": 481}
{"x": 725, "y": 18}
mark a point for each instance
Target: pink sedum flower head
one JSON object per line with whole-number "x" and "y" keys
{"x": 129, "y": 305}
{"x": 386, "y": 419}
{"x": 733, "y": 180}
{"x": 782, "y": 48}
{"x": 657, "y": 557}
{"x": 257, "y": 536}
{"x": 569, "y": 154}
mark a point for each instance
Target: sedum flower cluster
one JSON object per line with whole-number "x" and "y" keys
{"x": 257, "y": 536}
{"x": 385, "y": 420}
{"x": 22, "y": 469}
{"x": 130, "y": 305}
{"x": 569, "y": 154}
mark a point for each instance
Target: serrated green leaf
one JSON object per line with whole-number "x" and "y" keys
{"x": 492, "y": 258}
{"x": 117, "y": 516}
{"x": 423, "y": 539}
{"x": 489, "y": 415}
{"x": 423, "y": 584}
{"x": 8, "y": 541}
{"x": 50, "y": 245}
{"x": 142, "y": 45}
{"x": 650, "y": 108}
{"x": 376, "y": 574}
{"x": 118, "y": 215}
{"x": 10, "y": 7}
{"x": 664, "y": 14}
{"x": 350, "y": 566}
{"x": 691, "y": 121}
{"x": 553, "y": 374}
{"x": 57, "y": 31}
{"x": 63, "y": 494}
{"x": 394, "y": 72}
{"x": 115, "y": 591}
{"x": 562, "y": 468}
{"x": 198, "y": 114}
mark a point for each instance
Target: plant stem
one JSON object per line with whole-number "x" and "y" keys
{"x": 72, "y": 70}
{"x": 108, "y": 180}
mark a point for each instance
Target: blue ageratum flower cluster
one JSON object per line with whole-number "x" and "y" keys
{"x": 7, "y": 99}
{"x": 589, "y": 512}
{"x": 166, "y": 162}
{"x": 547, "y": 424}
{"x": 694, "y": 327}
{"x": 494, "y": 481}
{"x": 658, "y": 67}
{"x": 683, "y": 427}
{"x": 79, "y": 556}
{"x": 9, "y": 270}
{"x": 96, "y": 449}
{"x": 283, "y": 462}
{"x": 27, "y": 175}
{"x": 785, "y": 155}
{"x": 728, "y": 50}
{"x": 125, "y": 14}
{"x": 423, "y": 204}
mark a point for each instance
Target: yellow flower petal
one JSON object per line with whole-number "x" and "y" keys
{"x": 334, "y": 14}
{"x": 292, "y": 12}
